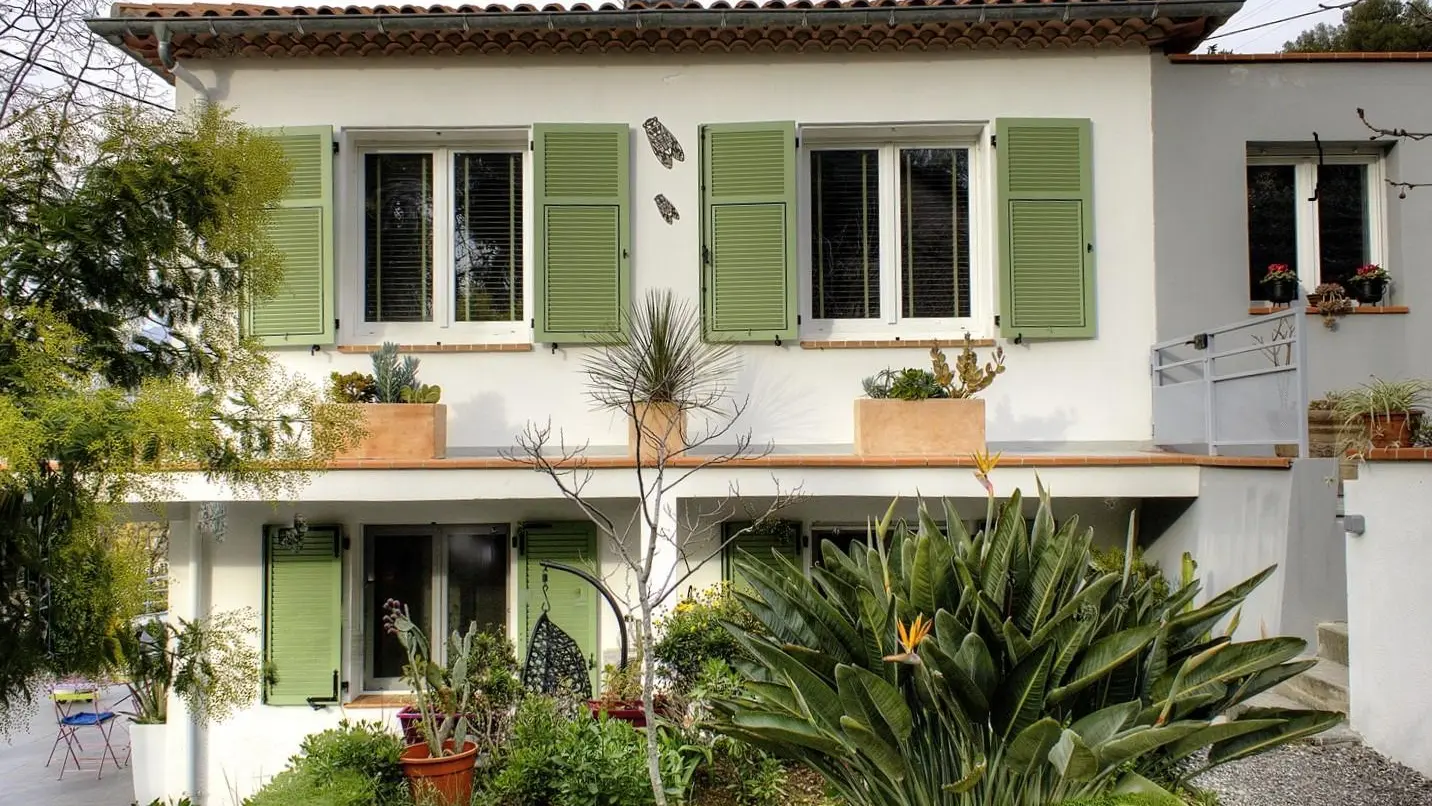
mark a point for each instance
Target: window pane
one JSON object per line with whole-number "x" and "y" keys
{"x": 399, "y": 567}
{"x": 1342, "y": 221}
{"x": 487, "y": 237}
{"x": 477, "y": 580}
{"x": 1272, "y": 221}
{"x": 934, "y": 232}
{"x": 845, "y": 234}
{"x": 398, "y": 238}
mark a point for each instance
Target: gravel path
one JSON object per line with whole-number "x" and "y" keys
{"x": 1308, "y": 775}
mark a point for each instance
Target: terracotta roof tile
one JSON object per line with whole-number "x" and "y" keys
{"x": 649, "y": 26}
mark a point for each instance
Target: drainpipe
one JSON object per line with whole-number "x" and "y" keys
{"x": 166, "y": 56}
{"x": 196, "y": 609}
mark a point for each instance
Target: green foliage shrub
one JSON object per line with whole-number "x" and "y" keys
{"x": 555, "y": 761}
{"x": 354, "y": 764}
{"x": 692, "y": 634}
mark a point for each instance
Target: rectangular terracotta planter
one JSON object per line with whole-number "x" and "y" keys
{"x": 949, "y": 427}
{"x": 401, "y": 431}
{"x": 659, "y": 421}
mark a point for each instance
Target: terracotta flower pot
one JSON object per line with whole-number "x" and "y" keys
{"x": 1393, "y": 430}
{"x": 1323, "y": 428}
{"x": 446, "y": 781}
{"x": 628, "y": 710}
{"x": 942, "y": 427}
{"x": 657, "y": 423}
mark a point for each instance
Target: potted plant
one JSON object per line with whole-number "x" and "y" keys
{"x": 493, "y": 672}
{"x": 924, "y": 412}
{"x": 621, "y": 695}
{"x": 1332, "y": 303}
{"x": 209, "y": 663}
{"x": 1381, "y": 414}
{"x": 439, "y": 768}
{"x": 402, "y": 417}
{"x": 1368, "y": 284}
{"x": 1280, "y": 284}
{"x": 658, "y": 372}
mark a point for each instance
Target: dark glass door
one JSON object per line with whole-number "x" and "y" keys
{"x": 398, "y": 565}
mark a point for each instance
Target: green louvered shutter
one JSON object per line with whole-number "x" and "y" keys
{"x": 303, "y": 617}
{"x": 301, "y": 231}
{"x": 1046, "y": 226}
{"x": 748, "y": 231}
{"x": 763, "y": 547}
{"x": 581, "y": 197}
{"x": 573, "y": 601}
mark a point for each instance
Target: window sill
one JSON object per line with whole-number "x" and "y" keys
{"x": 1254, "y": 310}
{"x": 393, "y": 700}
{"x": 363, "y": 349}
{"x": 889, "y": 344}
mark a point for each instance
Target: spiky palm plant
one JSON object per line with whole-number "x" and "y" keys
{"x": 944, "y": 669}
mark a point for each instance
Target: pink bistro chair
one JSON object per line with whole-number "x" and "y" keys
{"x": 77, "y": 707}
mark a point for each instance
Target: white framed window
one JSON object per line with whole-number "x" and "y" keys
{"x": 439, "y": 236}
{"x": 893, "y": 240}
{"x": 1323, "y": 216}
{"x": 448, "y": 576}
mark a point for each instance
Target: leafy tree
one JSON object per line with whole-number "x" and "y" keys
{"x": 1371, "y": 25}
{"x": 127, "y": 244}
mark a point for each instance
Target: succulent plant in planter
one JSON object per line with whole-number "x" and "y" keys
{"x": 1332, "y": 303}
{"x": 402, "y": 417}
{"x": 441, "y": 766}
{"x": 927, "y": 411}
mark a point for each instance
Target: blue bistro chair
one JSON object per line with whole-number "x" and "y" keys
{"x": 77, "y": 709}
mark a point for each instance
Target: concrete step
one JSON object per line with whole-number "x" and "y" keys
{"x": 1339, "y": 734}
{"x": 1332, "y": 642}
{"x": 1323, "y": 687}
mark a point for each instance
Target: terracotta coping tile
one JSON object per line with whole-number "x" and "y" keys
{"x": 837, "y": 461}
{"x": 1297, "y": 58}
{"x": 364, "y": 349}
{"x": 1400, "y": 455}
{"x": 380, "y": 701}
{"x": 1264, "y": 310}
{"x": 888, "y": 344}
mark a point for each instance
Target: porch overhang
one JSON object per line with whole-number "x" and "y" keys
{"x": 1131, "y": 475}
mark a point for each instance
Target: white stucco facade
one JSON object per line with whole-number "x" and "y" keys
{"x": 800, "y": 397}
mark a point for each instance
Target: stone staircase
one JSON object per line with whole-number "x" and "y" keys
{"x": 1323, "y": 687}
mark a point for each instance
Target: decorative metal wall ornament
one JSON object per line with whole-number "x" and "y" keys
{"x": 666, "y": 208}
{"x": 291, "y": 537}
{"x": 212, "y": 520}
{"x": 663, "y": 142}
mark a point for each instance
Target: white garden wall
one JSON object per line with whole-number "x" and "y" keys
{"x": 1390, "y": 609}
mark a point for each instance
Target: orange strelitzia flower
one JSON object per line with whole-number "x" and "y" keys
{"x": 910, "y": 638}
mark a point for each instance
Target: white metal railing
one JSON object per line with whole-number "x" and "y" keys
{"x": 1238, "y": 387}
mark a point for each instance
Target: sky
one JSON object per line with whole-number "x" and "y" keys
{"x": 1271, "y": 38}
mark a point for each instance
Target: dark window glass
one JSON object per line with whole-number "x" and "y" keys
{"x": 398, "y": 238}
{"x": 1272, "y": 221}
{"x": 400, "y": 566}
{"x": 934, "y": 232}
{"x": 845, "y": 234}
{"x": 477, "y": 581}
{"x": 487, "y": 237}
{"x": 1342, "y": 221}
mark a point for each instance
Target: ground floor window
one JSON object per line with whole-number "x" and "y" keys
{"x": 448, "y": 576}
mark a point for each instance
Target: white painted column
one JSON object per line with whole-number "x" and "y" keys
{"x": 187, "y": 595}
